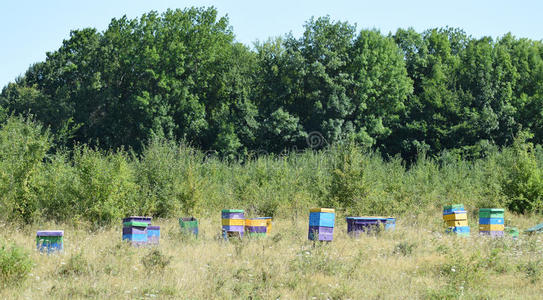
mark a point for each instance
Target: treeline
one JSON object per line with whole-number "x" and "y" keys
{"x": 167, "y": 179}
{"x": 182, "y": 76}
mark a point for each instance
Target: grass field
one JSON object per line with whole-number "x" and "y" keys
{"x": 414, "y": 261}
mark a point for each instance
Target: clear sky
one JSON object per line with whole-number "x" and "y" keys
{"x": 31, "y": 28}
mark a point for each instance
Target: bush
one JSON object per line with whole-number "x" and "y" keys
{"x": 104, "y": 188}
{"x": 155, "y": 260}
{"x": 15, "y": 265}
{"x": 533, "y": 270}
{"x": 168, "y": 176}
{"x": 77, "y": 265}
{"x": 348, "y": 187}
{"x": 23, "y": 148}
{"x": 523, "y": 179}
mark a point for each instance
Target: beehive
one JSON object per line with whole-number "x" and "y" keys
{"x": 456, "y": 218}
{"x": 135, "y": 230}
{"x": 138, "y": 219}
{"x": 50, "y": 241}
{"x": 357, "y": 225}
{"x": 153, "y": 234}
{"x": 459, "y": 230}
{"x": 233, "y": 222}
{"x": 491, "y": 221}
{"x": 189, "y": 225}
{"x": 512, "y": 232}
{"x": 256, "y": 227}
{"x": 321, "y": 224}
{"x": 268, "y": 223}
{"x": 390, "y": 224}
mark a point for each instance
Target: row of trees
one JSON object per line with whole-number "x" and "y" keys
{"x": 181, "y": 75}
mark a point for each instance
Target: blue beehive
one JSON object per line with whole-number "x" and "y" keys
{"x": 153, "y": 234}
{"x": 135, "y": 230}
{"x": 462, "y": 230}
{"x": 321, "y": 224}
{"x": 324, "y": 219}
{"x": 456, "y": 218}
{"x": 50, "y": 241}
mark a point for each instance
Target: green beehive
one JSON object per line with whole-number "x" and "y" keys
{"x": 491, "y": 213}
{"x": 453, "y": 206}
{"x": 189, "y": 225}
{"x": 512, "y": 232}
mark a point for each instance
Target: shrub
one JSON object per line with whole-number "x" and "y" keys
{"x": 15, "y": 264}
{"x": 155, "y": 260}
{"x": 533, "y": 270}
{"x": 168, "y": 176}
{"x": 57, "y": 181}
{"x": 404, "y": 248}
{"x": 23, "y": 147}
{"x": 348, "y": 187}
{"x": 104, "y": 186}
{"x": 523, "y": 179}
{"x": 77, "y": 265}
{"x": 463, "y": 272}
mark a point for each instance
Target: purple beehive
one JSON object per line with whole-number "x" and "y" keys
{"x": 233, "y": 223}
{"x": 134, "y": 230}
{"x": 358, "y": 225}
{"x": 137, "y": 236}
{"x": 256, "y": 229}
{"x": 492, "y": 233}
{"x": 321, "y": 233}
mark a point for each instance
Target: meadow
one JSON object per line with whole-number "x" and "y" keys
{"x": 415, "y": 261}
{"x": 86, "y": 192}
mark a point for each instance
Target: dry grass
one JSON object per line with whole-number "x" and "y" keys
{"x": 414, "y": 261}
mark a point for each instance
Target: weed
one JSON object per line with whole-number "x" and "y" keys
{"x": 77, "y": 265}
{"x": 156, "y": 260}
{"x": 533, "y": 270}
{"x": 15, "y": 265}
{"x": 404, "y": 248}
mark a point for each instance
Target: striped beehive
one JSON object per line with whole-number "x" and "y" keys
{"x": 268, "y": 223}
{"x": 256, "y": 227}
{"x": 357, "y": 225}
{"x": 456, "y": 218}
{"x": 491, "y": 221}
{"x": 138, "y": 219}
{"x": 321, "y": 224}
{"x": 233, "y": 222}
{"x": 50, "y": 241}
{"x": 189, "y": 225}
{"x": 135, "y": 230}
{"x": 153, "y": 234}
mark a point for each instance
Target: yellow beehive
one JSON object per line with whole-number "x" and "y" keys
{"x": 455, "y": 217}
{"x": 233, "y": 222}
{"x": 457, "y": 223}
{"x": 491, "y": 227}
{"x": 324, "y": 210}
{"x": 269, "y": 225}
{"x": 256, "y": 222}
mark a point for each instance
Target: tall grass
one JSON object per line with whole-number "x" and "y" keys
{"x": 168, "y": 179}
{"x": 416, "y": 261}
{"x": 86, "y": 189}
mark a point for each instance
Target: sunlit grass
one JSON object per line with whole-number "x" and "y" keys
{"x": 415, "y": 261}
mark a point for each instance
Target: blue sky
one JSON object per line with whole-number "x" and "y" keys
{"x": 31, "y": 28}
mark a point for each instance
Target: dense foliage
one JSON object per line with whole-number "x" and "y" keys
{"x": 88, "y": 185}
{"x": 182, "y": 76}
